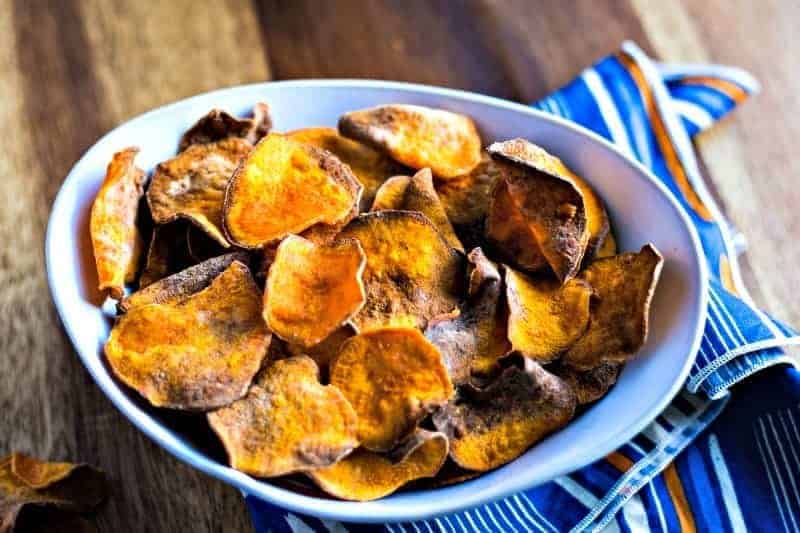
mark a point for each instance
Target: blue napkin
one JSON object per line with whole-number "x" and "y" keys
{"x": 713, "y": 460}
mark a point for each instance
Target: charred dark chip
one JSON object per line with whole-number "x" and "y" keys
{"x": 288, "y": 422}
{"x": 115, "y": 238}
{"x": 623, "y": 286}
{"x": 217, "y": 125}
{"x": 490, "y": 427}
{"x": 475, "y": 340}
{"x": 179, "y": 286}
{"x": 412, "y": 274}
{"x": 536, "y": 217}
{"x": 527, "y": 153}
{"x": 588, "y": 385}
{"x": 192, "y": 185}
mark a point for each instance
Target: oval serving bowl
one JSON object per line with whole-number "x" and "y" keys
{"x": 640, "y": 207}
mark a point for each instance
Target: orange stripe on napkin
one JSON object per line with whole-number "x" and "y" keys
{"x": 665, "y": 144}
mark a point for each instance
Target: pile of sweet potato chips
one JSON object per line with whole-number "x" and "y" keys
{"x": 369, "y": 305}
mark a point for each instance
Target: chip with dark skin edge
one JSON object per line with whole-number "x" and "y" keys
{"x": 116, "y": 241}
{"x": 217, "y": 125}
{"x": 288, "y": 422}
{"x": 196, "y": 354}
{"x": 623, "y": 286}
{"x": 489, "y": 427}
{"x": 531, "y": 205}
{"x": 448, "y": 143}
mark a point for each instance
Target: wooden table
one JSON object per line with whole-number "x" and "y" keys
{"x": 71, "y": 70}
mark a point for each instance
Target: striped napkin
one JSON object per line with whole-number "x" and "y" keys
{"x": 719, "y": 457}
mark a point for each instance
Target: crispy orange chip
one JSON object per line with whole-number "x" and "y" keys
{"x": 490, "y": 427}
{"x": 589, "y": 385}
{"x": 370, "y": 166}
{"x": 285, "y": 187}
{"x": 623, "y": 286}
{"x": 179, "y": 286}
{"x": 475, "y": 340}
{"x": 192, "y": 185}
{"x": 199, "y": 353}
{"x": 115, "y": 238}
{"x": 312, "y": 289}
{"x": 62, "y": 487}
{"x": 417, "y": 194}
{"x": 217, "y": 125}
{"x": 544, "y": 317}
{"x": 288, "y": 422}
{"x": 412, "y": 274}
{"x": 366, "y": 475}
{"x": 447, "y": 143}
{"x": 392, "y": 378}
{"x": 536, "y": 216}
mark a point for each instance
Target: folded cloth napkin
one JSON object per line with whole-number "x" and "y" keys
{"x": 691, "y": 469}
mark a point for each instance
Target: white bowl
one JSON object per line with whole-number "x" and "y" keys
{"x": 641, "y": 209}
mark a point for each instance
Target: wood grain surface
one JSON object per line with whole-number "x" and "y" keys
{"x": 70, "y": 70}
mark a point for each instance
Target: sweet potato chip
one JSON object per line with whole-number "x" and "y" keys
{"x": 288, "y": 422}
{"x": 531, "y": 205}
{"x": 217, "y": 125}
{"x": 179, "y": 286}
{"x": 199, "y": 353}
{"x": 492, "y": 426}
{"x": 26, "y": 481}
{"x": 447, "y": 143}
{"x": 544, "y": 317}
{"x": 366, "y": 475}
{"x": 370, "y": 166}
{"x": 115, "y": 238}
{"x": 285, "y": 187}
{"x": 192, "y": 185}
{"x": 168, "y": 253}
{"x": 588, "y": 385}
{"x": 391, "y": 193}
{"x": 527, "y": 153}
{"x": 475, "y": 340}
{"x": 412, "y": 274}
{"x": 466, "y": 200}
{"x": 326, "y": 350}
{"x": 623, "y": 287}
{"x": 392, "y": 378}
{"x": 312, "y": 289}
{"x": 417, "y": 194}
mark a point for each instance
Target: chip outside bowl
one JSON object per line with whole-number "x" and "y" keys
{"x": 641, "y": 209}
